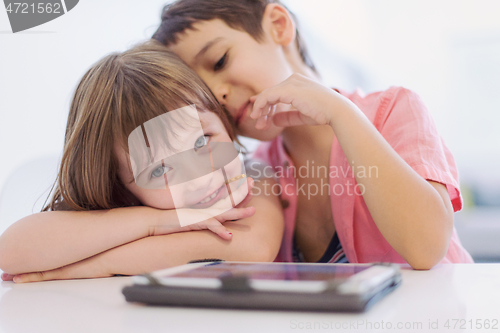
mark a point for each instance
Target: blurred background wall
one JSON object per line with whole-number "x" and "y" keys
{"x": 447, "y": 51}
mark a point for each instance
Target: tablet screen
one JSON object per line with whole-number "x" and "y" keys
{"x": 287, "y": 272}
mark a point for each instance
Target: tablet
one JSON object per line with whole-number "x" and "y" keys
{"x": 280, "y": 286}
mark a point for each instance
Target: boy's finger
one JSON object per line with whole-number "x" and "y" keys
{"x": 273, "y": 109}
{"x": 256, "y": 111}
{"x": 292, "y": 118}
{"x": 269, "y": 122}
{"x": 286, "y": 119}
{"x": 269, "y": 118}
{"x": 260, "y": 106}
{"x": 261, "y": 122}
{"x": 278, "y": 94}
{"x": 268, "y": 110}
{"x": 282, "y": 93}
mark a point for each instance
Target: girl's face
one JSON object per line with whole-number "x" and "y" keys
{"x": 186, "y": 173}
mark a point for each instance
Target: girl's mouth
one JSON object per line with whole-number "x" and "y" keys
{"x": 211, "y": 199}
{"x": 218, "y": 194}
{"x": 207, "y": 199}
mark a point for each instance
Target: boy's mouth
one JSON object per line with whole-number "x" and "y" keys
{"x": 241, "y": 113}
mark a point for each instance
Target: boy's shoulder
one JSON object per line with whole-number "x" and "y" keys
{"x": 379, "y": 105}
{"x": 376, "y": 98}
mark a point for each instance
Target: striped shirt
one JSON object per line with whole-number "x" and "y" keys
{"x": 333, "y": 254}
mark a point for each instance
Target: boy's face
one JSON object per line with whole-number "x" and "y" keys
{"x": 235, "y": 67}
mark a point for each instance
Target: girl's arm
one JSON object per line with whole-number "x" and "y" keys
{"x": 414, "y": 215}
{"x": 256, "y": 238}
{"x": 49, "y": 240}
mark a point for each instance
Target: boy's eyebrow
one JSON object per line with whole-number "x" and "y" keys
{"x": 205, "y": 48}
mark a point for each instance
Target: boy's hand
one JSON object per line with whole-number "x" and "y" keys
{"x": 213, "y": 224}
{"x": 313, "y": 103}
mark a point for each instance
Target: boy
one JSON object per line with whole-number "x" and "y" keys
{"x": 251, "y": 56}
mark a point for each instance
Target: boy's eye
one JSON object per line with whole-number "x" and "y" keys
{"x": 160, "y": 171}
{"x": 201, "y": 142}
{"x": 220, "y": 64}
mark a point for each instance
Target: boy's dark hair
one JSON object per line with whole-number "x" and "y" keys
{"x": 243, "y": 15}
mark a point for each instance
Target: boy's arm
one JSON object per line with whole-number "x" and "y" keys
{"x": 256, "y": 238}
{"x": 49, "y": 240}
{"x": 414, "y": 215}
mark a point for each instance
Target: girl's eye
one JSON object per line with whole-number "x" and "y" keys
{"x": 160, "y": 171}
{"x": 201, "y": 142}
{"x": 220, "y": 64}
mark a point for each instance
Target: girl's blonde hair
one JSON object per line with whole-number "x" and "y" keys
{"x": 116, "y": 95}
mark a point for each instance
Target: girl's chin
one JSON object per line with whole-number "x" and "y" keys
{"x": 161, "y": 207}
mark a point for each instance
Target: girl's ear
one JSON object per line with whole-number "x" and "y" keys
{"x": 278, "y": 22}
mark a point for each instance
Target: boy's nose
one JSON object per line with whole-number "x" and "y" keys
{"x": 222, "y": 94}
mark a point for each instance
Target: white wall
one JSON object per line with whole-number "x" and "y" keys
{"x": 448, "y": 51}
{"x": 39, "y": 70}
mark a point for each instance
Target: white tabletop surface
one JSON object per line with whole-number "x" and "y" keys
{"x": 465, "y": 295}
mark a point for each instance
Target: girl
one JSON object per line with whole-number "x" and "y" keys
{"x": 101, "y": 221}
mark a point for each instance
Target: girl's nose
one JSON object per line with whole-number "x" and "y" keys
{"x": 200, "y": 183}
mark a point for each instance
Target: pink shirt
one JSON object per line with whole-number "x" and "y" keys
{"x": 404, "y": 121}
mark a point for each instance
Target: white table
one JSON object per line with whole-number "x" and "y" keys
{"x": 460, "y": 293}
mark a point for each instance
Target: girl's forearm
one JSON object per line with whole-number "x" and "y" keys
{"x": 415, "y": 216}
{"x": 48, "y": 240}
{"x": 158, "y": 252}
{"x": 257, "y": 238}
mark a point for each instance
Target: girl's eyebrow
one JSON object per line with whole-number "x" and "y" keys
{"x": 205, "y": 48}
{"x": 204, "y": 123}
